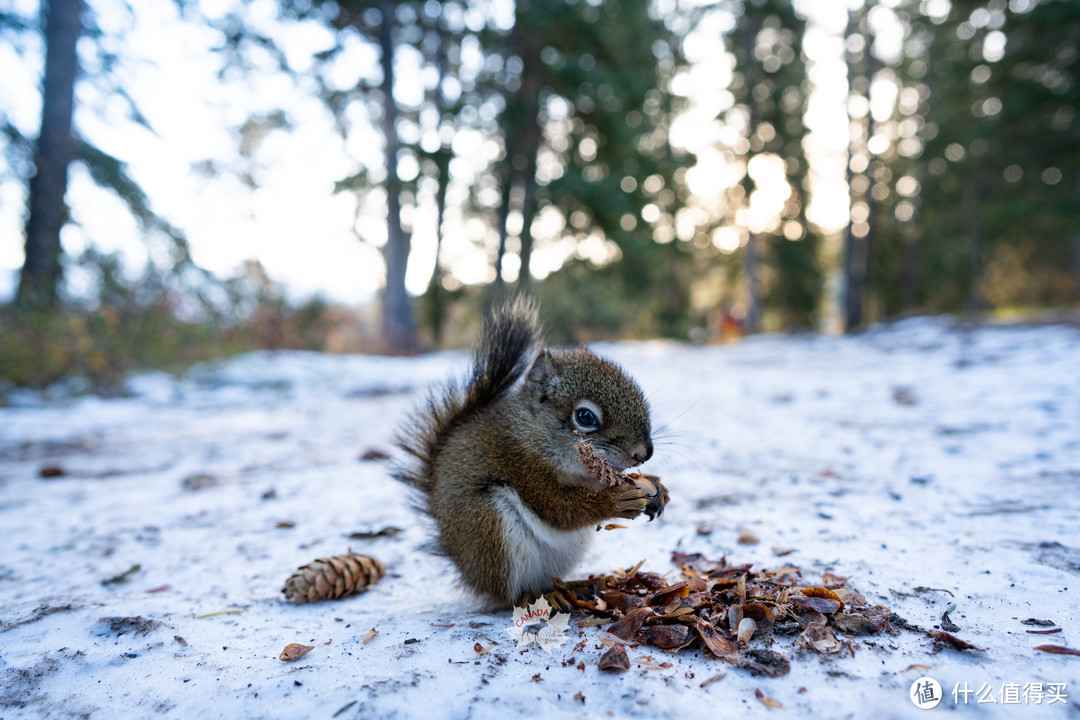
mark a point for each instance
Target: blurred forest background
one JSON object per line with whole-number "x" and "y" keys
{"x": 647, "y": 169}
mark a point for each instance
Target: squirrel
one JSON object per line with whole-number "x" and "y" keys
{"x": 496, "y": 464}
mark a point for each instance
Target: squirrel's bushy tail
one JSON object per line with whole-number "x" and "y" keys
{"x": 503, "y": 353}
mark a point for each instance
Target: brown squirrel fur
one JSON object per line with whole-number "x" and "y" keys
{"x": 495, "y": 463}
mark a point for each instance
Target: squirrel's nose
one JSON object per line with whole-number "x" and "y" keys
{"x": 641, "y": 452}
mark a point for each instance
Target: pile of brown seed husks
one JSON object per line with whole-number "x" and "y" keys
{"x": 734, "y": 613}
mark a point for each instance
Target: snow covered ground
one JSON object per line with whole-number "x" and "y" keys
{"x": 916, "y": 456}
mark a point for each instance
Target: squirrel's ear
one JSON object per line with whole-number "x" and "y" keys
{"x": 543, "y": 376}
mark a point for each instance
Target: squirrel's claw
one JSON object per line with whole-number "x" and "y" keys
{"x": 658, "y": 495}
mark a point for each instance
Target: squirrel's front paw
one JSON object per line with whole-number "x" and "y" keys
{"x": 629, "y": 500}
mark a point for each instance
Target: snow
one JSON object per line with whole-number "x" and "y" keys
{"x": 919, "y": 455}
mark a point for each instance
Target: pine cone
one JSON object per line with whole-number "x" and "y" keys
{"x": 595, "y": 463}
{"x": 332, "y": 578}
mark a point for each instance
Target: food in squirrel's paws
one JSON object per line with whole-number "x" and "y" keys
{"x": 596, "y": 463}
{"x": 602, "y": 470}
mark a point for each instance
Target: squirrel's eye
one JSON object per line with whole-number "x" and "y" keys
{"x": 586, "y": 418}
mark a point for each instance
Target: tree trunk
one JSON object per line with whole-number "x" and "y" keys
{"x": 753, "y": 310}
{"x": 39, "y": 281}
{"x": 399, "y": 332}
{"x": 974, "y": 195}
{"x": 435, "y": 292}
{"x": 855, "y": 259}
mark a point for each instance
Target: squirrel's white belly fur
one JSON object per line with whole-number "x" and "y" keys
{"x": 536, "y": 551}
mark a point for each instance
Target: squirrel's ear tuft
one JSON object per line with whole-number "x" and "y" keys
{"x": 543, "y": 376}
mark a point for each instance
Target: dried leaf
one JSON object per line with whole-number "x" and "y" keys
{"x": 767, "y": 701}
{"x": 821, "y": 592}
{"x": 52, "y": 471}
{"x": 374, "y": 455}
{"x": 819, "y": 638}
{"x": 628, "y": 626}
{"x": 182, "y": 641}
{"x": 622, "y": 601}
{"x": 370, "y": 635}
{"x": 781, "y": 552}
{"x": 716, "y": 643}
{"x": 666, "y": 637}
{"x": 294, "y": 651}
{"x": 856, "y": 624}
{"x": 615, "y": 659}
{"x": 665, "y": 595}
{"x": 124, "y": 576}
{"x": 833, "y": 580}
{"x": 579, "y": 696}
{"x": 951, "y": 640}
{"x": 823, "y": 605}
{"x": 1057, "y": 650}
{"x": 1051, "y": 631}
{"x": 614, "y": 526}
{"x": 1039, "y": 623}
{"x": 920, "y": 668}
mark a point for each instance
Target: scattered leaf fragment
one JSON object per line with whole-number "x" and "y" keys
{"x": 1051, "y": 631}
{"x": 182, "y": 641}
{"x": 714, "y": 678}
{"x": 284, "y": 524}
{"x": 375, "y": 455}
{"x": 199, "y": 481}
{"x": 579, "y": 696}
{"x": 952, "y": 641}
{"x": 747, "y": 538}
{"x": 819, "y": 638}
{"x": 920, "y": 668}
{"x": 767, "y": 701}
{"x": 717, "y": 644}
{"x": 613, "y": 526}
{"x": 343, "y": 708}
{"x": 922, "y": 589}
{"x": 824, "y": 605}
{"x": 52, "y": 471}
{"x": 857, "y": 624}
{"x": 293, "y": 651}
{"x": 627, "y": 627}
{"x": 227, "y": 611}
{"x": 904, "y": 395}
{"x": 759, "y": 661}
{"x": 946, "y": 622}
{"x": 370, "y": 635}
{"x": 160, "y": 588}
{"x": 615, "y": 659}
{"x": 1039, "y": 623}
{"x": 388, "y": 531}
{"x": 124, "y": 576}
{"x": 1057, "y": 650}
{"x": 781, "y": 552}
{"x": 537, "y": 678}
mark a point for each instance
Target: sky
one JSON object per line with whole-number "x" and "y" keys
{"x": 306, "y": 237}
